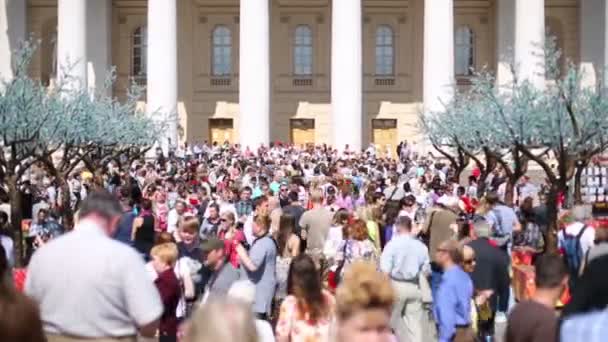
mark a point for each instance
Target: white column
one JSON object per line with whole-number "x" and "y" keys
{"x": 254, "y": 74}
{"x": 13, "y": 28}
{"x": 438, "y": 70}
{"x": 530, "y": 41}
{"x": 72, "y": 43}
{"x": 346, "y": 74}
{"x": 162, "y": 67}
{"x": 99, "y": 19}
{"x": 505, "y": 13}
{"x": 593, "y": 38}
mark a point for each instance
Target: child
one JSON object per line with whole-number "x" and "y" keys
{"x": 164, "y": 257}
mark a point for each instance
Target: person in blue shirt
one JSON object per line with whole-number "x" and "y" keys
{"x": 405, "y": 259}
{"x": 452, "y": 307}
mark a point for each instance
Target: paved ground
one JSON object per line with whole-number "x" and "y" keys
{"x": 429, "y": 332}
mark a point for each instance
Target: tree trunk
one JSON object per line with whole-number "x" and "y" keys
{"x": 16, "y": 218}
{"x": 578, "y": 196}
{"x": 509, "y": 192}
{"x": 67, "y": 214}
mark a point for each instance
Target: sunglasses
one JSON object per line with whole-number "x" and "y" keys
{"x": 223, "y": 220}
{"x": 469, "y": 261}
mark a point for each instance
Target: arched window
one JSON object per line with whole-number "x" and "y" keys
{"x": 140, "y": 53}
{"x": 464, "y": 49}
{"x": 385, "y": 51}
{"x": 302, "y": 51}
{"x": 222, "y": 52}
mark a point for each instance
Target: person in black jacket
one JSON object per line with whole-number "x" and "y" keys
{"x": 491, "y": 273}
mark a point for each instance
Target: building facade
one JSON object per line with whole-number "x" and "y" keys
{"x": 320, "y": 71}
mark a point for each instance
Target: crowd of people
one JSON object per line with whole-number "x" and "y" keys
{"x": 294, "y": 244}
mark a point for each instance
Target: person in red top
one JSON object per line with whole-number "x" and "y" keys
{"x": 164, "y": 257}
{"x": 232, "y": 237}
{"x": 465, "y": 202}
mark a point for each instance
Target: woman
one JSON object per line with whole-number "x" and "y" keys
{"x": 357, "y": 247}
{"x": 335, "y": 235}
{"x": 364, "y": 302}
{"x": 142, "y": 234}
{"x": 531, "y": 235}
{"x": 231, "y": 235}
{"x": 19, "y": 315}
{"x": 288, "y": 247}
{"x": 259, "y": 265}
{"x": 391, "y": 212}
{"x": 369, "y": 214}
{"x": 222, "y": 319}
{"x": 344, "y": 200}
{"x": 161, "y": 210}
{"x": 307, "y": 312}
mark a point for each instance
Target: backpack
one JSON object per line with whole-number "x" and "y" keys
{"x": 573, "y": 253}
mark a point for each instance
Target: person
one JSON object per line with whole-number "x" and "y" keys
{"x": 393, "y": 191}
{"x": 6, "y": 240}
{"x": 175, "y": 216}
{"x": 244, "y": 290}
{"x": 295, "y": 210}
{"x": 405, "y": 259}
{"x": 335, "y": 235}
{"x": 125, "y": 226}
{"x": 315, "y": 224}
{"x": 452, "y": 305}
{"x": 591, "y": 291}
{"x": 142, "y": 234}
{"x": 45, "y": 228}
{"x": 231, "y": 235}
{"x": 260, "y": 208}
{"x": 502, "y": 220}
{"x": 217, "y": 273}
{"x": 535, "y": 320}
{"x": 288, "y": 247}
{"x": 438, "y": 225}
{"x": 259, "y": 265}
{"x": 364, "y": 303}
{"x": 491, "y": 273}
{"x": 356, "y": 247}
{"x": 164, "y": 257}
{"x": 308, "y": 310}
{"x": 132, "y": 306}
{"x": 244, "y": 206}
{"x": 530, "y": 236}
{"x": 575, "y": 240}
{"x": 222, "y": 319}
{"x": 600, "y": 247}
{"x": 211, "y": 223}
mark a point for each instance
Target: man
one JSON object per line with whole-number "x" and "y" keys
{"x": 503, "y": 221}
{"x": 394, "y": 192}
{"x": 174, "y": 217}
{"x": 108, "y": 296}
{"x": 491, "y": 273}
{"x": 295, "y": 209}
{"x": 315, "y": 225}
{"x": 217, "y": 274}
{"x": 575, "y": 241}
{"x": 405, "y": 259}
{"x": 244, "y": 206}
{"x": 535, "y": 320}
{"x": 211, "y": 223}
{"x": 260, "y": 208}
{"x": 439, "y": 227}
{"x": 125, "y": 225}
{"x": 283, "y": 194}
{"x": 452, "y": 306}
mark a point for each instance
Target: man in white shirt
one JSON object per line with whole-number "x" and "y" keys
{"x": 587, "y": 240}
{"x": 173, "y": 219}
{"x": 90, "y": 286}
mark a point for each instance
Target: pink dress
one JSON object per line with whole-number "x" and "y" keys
{"x": 296, "y": 325}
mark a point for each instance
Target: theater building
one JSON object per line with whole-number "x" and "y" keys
{"x": 302, "y": 71}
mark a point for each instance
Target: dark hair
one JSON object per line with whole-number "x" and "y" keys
{"x": 287, "y": 225}
{"x": 258, "y": 201}
{"x": 341, "y": 217}
{"x": 214, "y": 206}
{"x": 304, "y": 282}
{"x": 101, "y": 203}
{"x": 146, "y": 204}
{"x": 293, "y": 196}
{"x": 492, "y": 198}
{"x": 550, "y": 271}
{"x": 247, "y": 188}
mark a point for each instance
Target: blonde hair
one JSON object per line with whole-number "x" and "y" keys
{"x": 166, "y": 252}
{"x": 362, "y": 288}
{"x": 222, "y": 319}
{"x": 316, "y": 196}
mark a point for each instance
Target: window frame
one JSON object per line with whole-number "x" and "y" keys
{"x": 381, "y": 33}
{"x": 140, "y": 31}
{"x": 469, "y": 45}
{"x": 224, "y": 69}
{"x": 304, "y": 42}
